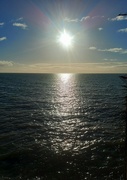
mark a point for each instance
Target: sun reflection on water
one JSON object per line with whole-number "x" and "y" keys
{"x": 68, "y": 129}
{"x": 65, "y": 78}
{"x": 66, "y": 94}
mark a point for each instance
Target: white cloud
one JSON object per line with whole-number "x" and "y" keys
{"x": 3, "y": 38}
{"x": 17, "y": 20}
{"x": 77, "y": 20}
{"x": 2, "y": 23}
{"x": 112, "y": 60}
{"x": 123, "y": 30}
{"x": 100, "y": 29}
{"x": 21, "y": 25}
{"x": 6, "y": 63}
{"x": 85, "y": 18}
{"x": 92, "y": 48}
{"x": 119, "y": 18}
{"x": 20, "y": 19}
{"x": 97, "y": 17}
{"x": 71, "y": 20}
{"x": 112, "y": 50}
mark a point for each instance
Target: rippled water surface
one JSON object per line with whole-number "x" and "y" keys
{"x": 61, "y": 127}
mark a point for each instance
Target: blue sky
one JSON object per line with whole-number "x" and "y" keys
{"x": 29, "y": 32}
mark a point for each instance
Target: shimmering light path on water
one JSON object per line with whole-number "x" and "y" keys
{"x": 61, "y": 126}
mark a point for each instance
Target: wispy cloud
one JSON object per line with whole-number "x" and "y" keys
{"x": 119, "y": 18}
{"x": 112, "y": 60}
{"x": 76, "y": 20}
{"x": 113, "y": 50}
{"x": 20, "y": 25}
{"x": 1, "y": 23}
{"x": 123, "y": 30}
{"x": 92, "y": 48}
{"x": 71, "y": 20}
{"x": 84, "y": 18}
{"x": 100, "y": 29}
{"x": 94, "y": 17}
{"x": 3, "y": 38}
{"x": 19, "y": 19}
{"x": 5, "y": 63}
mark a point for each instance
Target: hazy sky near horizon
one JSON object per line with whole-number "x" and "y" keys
{"x": 29, "y": 32}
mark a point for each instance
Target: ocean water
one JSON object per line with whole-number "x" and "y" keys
{"x": 62, "y": 127}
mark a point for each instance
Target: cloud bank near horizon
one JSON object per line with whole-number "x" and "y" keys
{"x": 106, "y": 66}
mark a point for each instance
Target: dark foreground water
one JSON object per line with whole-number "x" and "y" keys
{"x": 61, "y": 127}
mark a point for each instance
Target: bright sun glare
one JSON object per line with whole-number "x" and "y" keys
{"x": 65, "y": 39}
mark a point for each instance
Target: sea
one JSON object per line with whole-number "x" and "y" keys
{"x": 62, "y": 127}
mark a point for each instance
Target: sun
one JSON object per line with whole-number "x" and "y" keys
{"x": 65, "y": 39}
